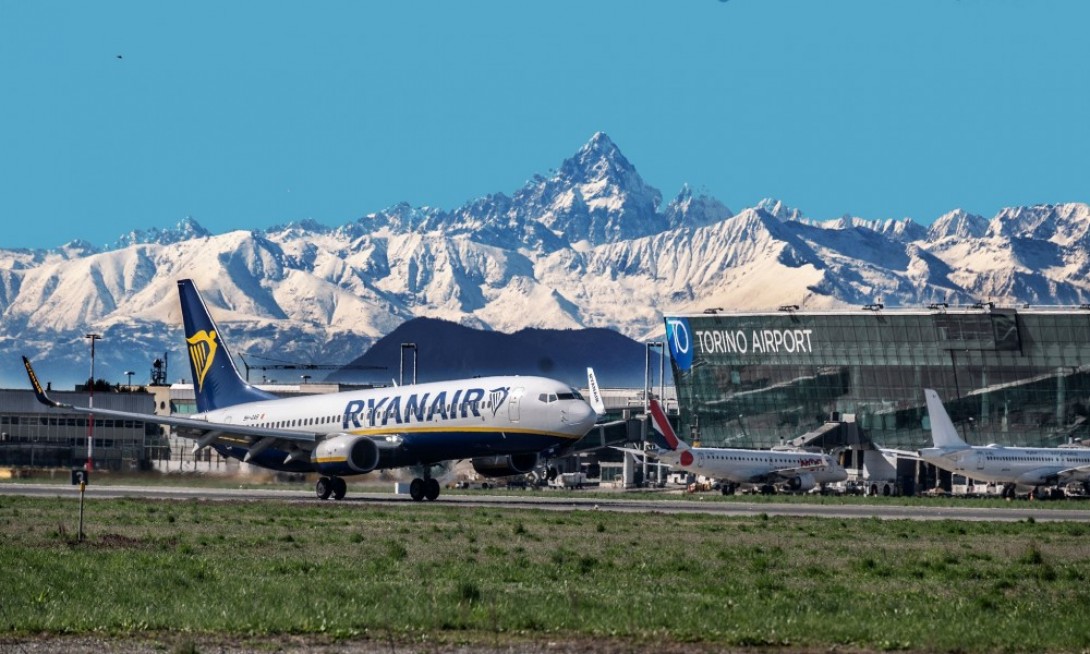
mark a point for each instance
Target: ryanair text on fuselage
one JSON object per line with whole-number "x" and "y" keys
{"x": 399, "y": 410}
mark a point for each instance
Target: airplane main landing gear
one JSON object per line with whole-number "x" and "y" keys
{"x": 327, "y": 486}
{"x": 421, "y": 489}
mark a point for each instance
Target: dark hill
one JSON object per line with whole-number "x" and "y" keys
{"x": 448, "y": 350}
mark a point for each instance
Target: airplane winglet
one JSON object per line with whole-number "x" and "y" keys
{"x": 39, "y": 392}
{"x": 595, "y": 393}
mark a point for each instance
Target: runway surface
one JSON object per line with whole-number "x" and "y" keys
{"x": 632, "y": 502}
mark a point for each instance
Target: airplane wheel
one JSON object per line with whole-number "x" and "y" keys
{"x": 431, "y": 489}
{"x": 340, "y": 487}
{"x": 416, "y": 489}
{"x": 323, "y": 488}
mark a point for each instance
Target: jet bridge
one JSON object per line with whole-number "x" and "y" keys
{"x": 842, "y": 431}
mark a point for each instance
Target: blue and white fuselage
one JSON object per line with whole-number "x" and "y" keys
{"x": 420, "y": 424}
{"x": 503, "y": 424}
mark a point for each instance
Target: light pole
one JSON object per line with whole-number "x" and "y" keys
{"x": 648, "y": 387}
{"x": 306, "y": 379}
{"x": 129, "y": 374}
{"x": 91, "y": 405}
{"x": 401, "y": 374}
{"x": 648, "y": 381}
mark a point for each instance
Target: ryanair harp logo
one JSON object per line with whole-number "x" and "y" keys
{"x": 202, "y": 351}
{"x": 497, "y": 396}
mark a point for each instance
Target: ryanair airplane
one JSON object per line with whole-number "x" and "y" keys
{"x": 504, "y": 424}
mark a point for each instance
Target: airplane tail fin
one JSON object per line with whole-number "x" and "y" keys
{"x": 216, "y": 381}
{"x": 663, "y": 432}
{"x": 943, "y": 432}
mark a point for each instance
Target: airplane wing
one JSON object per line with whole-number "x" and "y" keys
{"x": 1079, "y": 473}
{"x": 781, "y": 474}
{"x": 900, "y": 454}
{"x": 203, "y": 431}
{"x": 668, "y": 457}
{"x": 632, "y": 450}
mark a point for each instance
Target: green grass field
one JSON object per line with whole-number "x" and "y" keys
{"x": 449, "y": 574}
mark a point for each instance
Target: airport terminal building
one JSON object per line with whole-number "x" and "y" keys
{"x": 1012, "y": 376}
{"x": 35, "y": 436}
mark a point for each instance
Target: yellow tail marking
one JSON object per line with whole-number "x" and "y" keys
{"x": 202, "y": 351}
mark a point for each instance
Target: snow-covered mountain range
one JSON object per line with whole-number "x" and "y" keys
{"x": 592, "y": 245}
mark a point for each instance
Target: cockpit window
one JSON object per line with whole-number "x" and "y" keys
{"x": 549, "y": 398}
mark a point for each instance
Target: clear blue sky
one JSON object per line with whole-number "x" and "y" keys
{"x": 251, "y": 114}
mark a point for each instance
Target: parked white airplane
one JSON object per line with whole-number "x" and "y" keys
{"x": 1024, "y": 466}
{"x": 504, "y": 424}
{"x": 797, "y": 471}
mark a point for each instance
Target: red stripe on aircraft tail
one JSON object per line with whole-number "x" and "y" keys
{"x": 663, "y": 425}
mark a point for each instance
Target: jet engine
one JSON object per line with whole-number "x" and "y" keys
{"x": 503, "y": 466}
{"x": 345, "y": 455}
{"x": 802, "y": 483}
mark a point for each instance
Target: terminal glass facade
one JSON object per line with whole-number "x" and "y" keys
{"x": 32, "y": 435}
{"x": 1007, "y": 376}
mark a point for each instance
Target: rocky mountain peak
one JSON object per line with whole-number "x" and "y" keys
{"x": 186, "y": 229}
{"x": 596, "y": 196}
{"x": 694, "y": 210}
{"x": 957, "y": 224}
{"x": 599, "y": 157}
{"x": 1058, "y": 223}
{"x": 780, "y": 210}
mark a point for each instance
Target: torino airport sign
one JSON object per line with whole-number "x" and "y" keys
{"x": 684, "y": 341}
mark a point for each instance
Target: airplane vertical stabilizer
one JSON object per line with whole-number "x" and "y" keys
{"x": 216, "y": 381}
{"x": 664, "y": 432}
{"x": 943, "y": 432}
